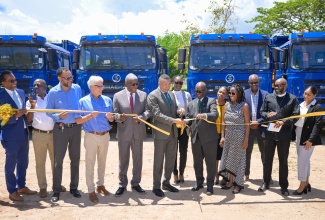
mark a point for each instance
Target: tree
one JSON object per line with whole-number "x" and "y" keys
{"x": 291, "y": 16}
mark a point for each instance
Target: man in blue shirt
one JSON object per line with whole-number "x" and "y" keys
{"x": 96, "y": 127}
{"x": 66, "y": 132}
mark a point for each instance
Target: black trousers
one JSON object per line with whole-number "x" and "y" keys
{"x": 254, "y": 134}
{"x": 283, "y": 153}
{"x": 182, "y": 145}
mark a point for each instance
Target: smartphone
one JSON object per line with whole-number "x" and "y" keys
{"x": 32, "y": 93}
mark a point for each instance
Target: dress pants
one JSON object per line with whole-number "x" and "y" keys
{"x": 283, "y": 153}
{"x": 95, "y": 146}
{"x": 42, "y": 143}
{"x": 182, "y": 147}
{"x": 16, "y": 158}
{"x": 254, "y": 133}
{"x": 64, "y": 139}
{"x": 164, "y": 149}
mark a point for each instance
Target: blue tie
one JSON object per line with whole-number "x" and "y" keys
{"x": 15, "y": 98}
{"x": 168, "y": 99}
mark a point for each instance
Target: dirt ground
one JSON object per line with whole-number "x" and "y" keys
{"x": 185, "y": 204}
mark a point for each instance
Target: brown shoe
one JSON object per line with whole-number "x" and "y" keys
{"x": 26, "y": 191}
{"x": 63, "y": 189}
{"x": 16, "y": 197}
{"x": 102, "y": 190}
{"x": 93, "y": 197}
{"x": 42, "y": 193}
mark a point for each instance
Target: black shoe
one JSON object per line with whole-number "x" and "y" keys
{"x": 158, "y": 192}
{"x": 138, "y": 189}
{"x": 285, "y": 192}
{"x": 263, "y": 187}
{"x": 225, "y": 187}
{"x": 197, "y": 188}
{"x": 75, "y": 193}
{"x": 296, "y": 193}
{"x": 209, "y": 190}
{"x": 308, "y": 187}
{"x": 120, "y": 191}
{"x": 55, "y": 197}
{"x": 223, "y": 182}
{"x": 169, "y": 188}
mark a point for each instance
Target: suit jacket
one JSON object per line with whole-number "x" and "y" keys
{"x": 162, "y": 114}
{"x": 261, "y": 97}
{"x": 128, "y": 129}
{"x": 13, "y": 129}
{"x": 207, "y": 132}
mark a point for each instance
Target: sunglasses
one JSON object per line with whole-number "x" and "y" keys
{"x": 231, "y": 93}
{"x": 12, "y": 80}
{"x": 67, "y": 78}
{"x": 198, "y": 91}
{"x": 134, "y": 84}
{"x": 178, "y": 83}
{"x": 252, "y": 83}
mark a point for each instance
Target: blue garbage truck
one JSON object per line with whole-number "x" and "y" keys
{"x": 225, "y": 59}
{"x": 114, "y": 56}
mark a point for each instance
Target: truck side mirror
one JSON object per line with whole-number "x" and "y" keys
{"x": 162, "y": 52}
{"x": 284, "y": 60}
{"x": 75, "y": 59}
{"x": 181, "y": 59}
{"x": 276, "y": 54}
{"x": 53, "y": 59}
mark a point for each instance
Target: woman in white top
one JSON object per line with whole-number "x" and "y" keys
{"x": 182, "y": 99}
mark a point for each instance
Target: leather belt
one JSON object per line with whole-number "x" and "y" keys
{"x": 67, "y": 125}
{"x": 41, "y": 131}
{"x": 98, "y": 133}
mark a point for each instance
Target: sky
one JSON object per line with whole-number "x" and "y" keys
{"x": 70, "y": 19}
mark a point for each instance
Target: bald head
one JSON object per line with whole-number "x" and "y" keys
{"x": 254, "y": 83}
{"x": 200, "y": 90}
{"x": 280, "y": 86}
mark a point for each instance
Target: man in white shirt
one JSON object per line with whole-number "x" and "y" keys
{"x": 42, "y": 135}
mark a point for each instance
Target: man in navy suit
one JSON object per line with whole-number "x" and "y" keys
{"x": 254, "y": 98}
{"x": 15, "y": 138}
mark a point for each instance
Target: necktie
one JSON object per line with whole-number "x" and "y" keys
{"x": 168, "y": 99}
{"x": 199, "y": 105}
{"x": 131, "y": 102}
{"x": 15, "y": 98}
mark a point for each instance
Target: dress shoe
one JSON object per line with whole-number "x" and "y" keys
{"x": 209, "y": 190}
{"x": 263, "y": 187}
{"x": 158, "y": 192}
{"x": 169, "y": 188}
{"x": 176, "y": 180}
{"x": 42, "y": 193}
{"x": 102, "y": 190}
{"x": 225, "y": 187}
{"x": 55, "y": 197}
{"x": 75, "y": 193}
{"x": 308, "y": 187}
{"x": 237, "y": 190}
{"x": 285, "y": 192}
{"x": 217, "y": 182}
{"x": 15, "y": 196}
{"x": 296, "y": 193}
{"x": 181, "y": 179}
{"x": 26, "y": 191}
{"x": 138, "y": 189}
{"x": 120, "y": 191}
{"x": 197, "y": 188}
{"x": 63, "y": 189}
{"x": 223, "y": 182}
{"x": 93, "y": 197}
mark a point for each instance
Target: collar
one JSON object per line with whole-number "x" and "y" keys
{"x": 10, "y": 92}
{"x": 258, "y": 91}
{"x": 312, "y": 103}
{"x": 281, "y": 95}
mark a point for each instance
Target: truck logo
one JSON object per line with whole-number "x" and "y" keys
{"x": 230, "y": 78}
{"x": 116, "y": 77}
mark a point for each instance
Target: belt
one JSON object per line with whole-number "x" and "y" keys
{"x": 41, "y": 131}
{"x": 98, "y": 133}
{"x": 67, "y": 125}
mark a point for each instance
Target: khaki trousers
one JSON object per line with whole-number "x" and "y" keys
{"x": 42, "y": 143}
{"x": 95, "y": 145}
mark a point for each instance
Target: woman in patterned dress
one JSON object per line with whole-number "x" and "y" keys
{"x": 234, "y": 139}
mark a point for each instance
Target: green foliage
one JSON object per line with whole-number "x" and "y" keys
{"x": 291, "y": 16}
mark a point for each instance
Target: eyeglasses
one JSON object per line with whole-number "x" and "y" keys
{"x": 67, "y": 78}
{"x": 231, "y": 93}
{"x": 198, "y": 91}
{"x": 178, "y": 83}
{"x": 134, "y": 84}
{"x": 279, "y": 85}
{"x": 252, "y": 83}
{"x": 12, "y": 80}
{"x": 99, "y": 86}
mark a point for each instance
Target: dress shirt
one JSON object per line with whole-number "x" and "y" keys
{"x": 61, "y": 99}
{"x": 180, "y": 99}
{"x": 304, "y": 110}
{"x": 41, "y": 120}
{"x": 102, "y": 104}
{"x": 254, "y": 101}
{"x": 11, "y": 93}
{"x": 129, "y": 94}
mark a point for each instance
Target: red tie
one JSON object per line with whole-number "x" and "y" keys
{"x": 131, "y": 102}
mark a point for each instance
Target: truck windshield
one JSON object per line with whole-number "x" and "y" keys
{"x": 309, "y": 55}
{"x": 20, "y": 57}
{"x": 234, "y": 56}
{"x": 117, "y": 57}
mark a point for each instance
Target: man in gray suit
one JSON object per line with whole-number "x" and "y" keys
{"x": 130, "y": 131}
{"x": 204, "y": 136}
{"x": 162, "y": 106}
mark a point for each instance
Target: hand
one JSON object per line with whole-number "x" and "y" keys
{"x": 32, "y": 102}
{"x": 200, "y": 116}
{"x": 222, "y": 142}
{"x": 179, "y": 121}
{"x": 110, "y": 116}
{"x": 20, "y": 112}
{"x": 94, "y": 114}
{"x": 123, "y": 117}
{"x": 254, "y": 125}
{"x": 278, "y": 124}
{"x": 136, "y": 119}
{"x": 63, "y": 115}
{"x": 181, "y": 111}
{"x": 308, "y": 145}
{"x": 245, "y": 145}
{"x": 271, "y": 114}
